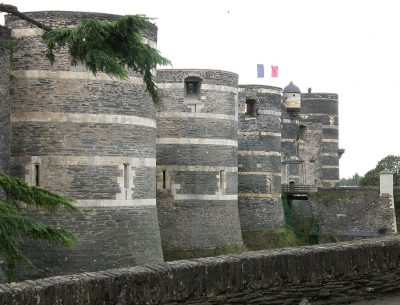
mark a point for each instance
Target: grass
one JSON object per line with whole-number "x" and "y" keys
{"x": 269, "y": 239}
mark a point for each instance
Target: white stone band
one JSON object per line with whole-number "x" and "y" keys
{"x": 260, "y": 173}
{"x": 196, "y": 168}
{"x": 269, "y": 112}
{"x": 209, "y": 87}
{"x": 115, "y": 203}
{"x": 65, "y": 117}
{"x": 196, "y": 115}
{"x": 258, "y": 153}
{"x": 330, "y": 166}
{"x": 259, "y": 133}
{"x": 73, "y": 75}
{"x": 205, "y": 197}
{"x": 85, "y": 160}
{"x": 330, "y": 140}
{"x": 197, "y": 141}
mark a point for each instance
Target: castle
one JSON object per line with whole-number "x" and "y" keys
{"x": 192, "y": 173}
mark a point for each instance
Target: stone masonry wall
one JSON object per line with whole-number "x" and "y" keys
{"x": 88, "y": 137}
{"x": 259, "y": 158}
{"x": 197, "y": 159}
{"x": 324, "y": 274}
{"x": 347, "y": 213}
{"x": 4, "y": 100}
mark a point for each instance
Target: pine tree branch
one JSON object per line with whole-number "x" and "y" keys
{"x": 10, "y": 9}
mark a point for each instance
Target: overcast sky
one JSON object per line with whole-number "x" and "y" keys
{"x": 347, "y": 47}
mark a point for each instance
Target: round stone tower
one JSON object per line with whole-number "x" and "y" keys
{"x": 197, "y": 159}
{"x": 322, "y": 109}
{"x": 88, "y": 137}
{"x": 259, "y": 164}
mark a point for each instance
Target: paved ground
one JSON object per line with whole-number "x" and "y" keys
{"x": 386, "y": 301}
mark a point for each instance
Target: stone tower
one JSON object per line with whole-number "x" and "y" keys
{"x": 319, "y": 121}
{"x": 88, "y": 137}
{"x": 259, "y": 157}
{"x": 197, "y": 159}
{"x": 292, "y": 165}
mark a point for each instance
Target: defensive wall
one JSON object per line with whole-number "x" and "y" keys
{"x": 325, "y": 274}
{"x": 347, "y": 213}
{"x": 88, "y": 137}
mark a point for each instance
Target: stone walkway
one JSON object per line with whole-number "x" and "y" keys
{"x": 386, "y": 301}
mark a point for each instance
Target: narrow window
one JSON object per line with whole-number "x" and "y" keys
{"x": 269, "y": 186}
{"x": 126, "y": 175}
{"x": 37, "y": 175}
{"x": 222, "y": 180}
{"x": 302, "y": 132}
{"x": 192, "y": 88}
{"x": 164, "y": 180}
{"x": 251, "y": 107}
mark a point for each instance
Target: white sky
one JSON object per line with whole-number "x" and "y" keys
{"x": 349, "y": 47}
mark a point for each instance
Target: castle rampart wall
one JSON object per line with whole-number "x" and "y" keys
{"x": 339, "y": 273}
{"x": 88, "y": 137}
{"x": 197, "y": 159}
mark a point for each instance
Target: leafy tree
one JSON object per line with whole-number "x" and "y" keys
{"x": 391, "y": 163}
{"x": 109, "y": 47}
{"x": 15, "y": 226}
{"x": 352, "y": 181}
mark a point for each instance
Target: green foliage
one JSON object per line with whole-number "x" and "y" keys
{"x": 306, "y": 232}
{"x": 352, "y": 181}
{"x": 391, "y": 163}
{"x": 7, "y": 43}
{"x": 110, "y": 47}
{"x": 269, "y": 239}
{"x": 14, "y": 226}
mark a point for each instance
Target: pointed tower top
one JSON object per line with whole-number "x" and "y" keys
{"x": 291, "y": 88}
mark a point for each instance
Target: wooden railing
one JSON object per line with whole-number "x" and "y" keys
{"x": 295, "y": 189}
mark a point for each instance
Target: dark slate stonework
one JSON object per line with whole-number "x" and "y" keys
{"x": 197, "y": 224}
{"x": 4, "y": 101}
{"x": 171, "y": 154}
{"x": 201, "y": 222}
{"x": 259, "y": 163}
{"x": 195, "y": 128}
{"x": 215, "y": 77}
{"x": 260, "y": 213}
{"x": 108, "y": 238}
{"x": 255, "y": 135}
{"x": 325, "y": 274}
{"x": 102, "y": 97}
{"x": 77, "y": 139}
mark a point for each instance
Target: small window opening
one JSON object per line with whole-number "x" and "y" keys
{"x": 251, "y": 107}
{"x": 192, "y": 87}
{"x": 164, "y": 180}
{"x": 126, "y": 175}
{"x": 302, "y": 132}
{"x": 195, "y": 108}
{"x": 221, "y": 180}
{"x": 37, "y": 175}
